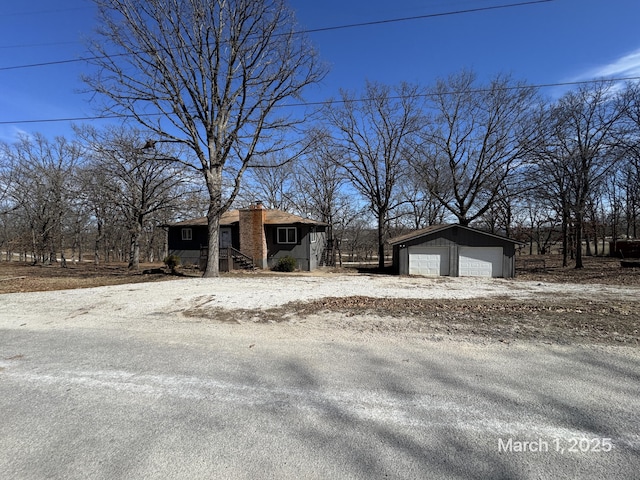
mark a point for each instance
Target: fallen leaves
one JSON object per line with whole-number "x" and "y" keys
{"x": 497, "y": 319}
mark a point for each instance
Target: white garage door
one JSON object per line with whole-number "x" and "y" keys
{"x": 428, "y": 261}
{"x": 480, "y": 262}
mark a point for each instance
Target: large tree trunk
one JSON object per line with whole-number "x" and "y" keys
{"x": 63, "y": 258}
{"x": 213, "y": 252}
{"x": 565, "y": 237}
{"x": 134, "y": 247}
{"x": 462, "y": 219}
{"x": 134, "y": 251}
{"x": 578, "y": 238}
{"x": 214, "y": 186}
{"x": 381, "y": 222}
{"x": 98, "y": 242}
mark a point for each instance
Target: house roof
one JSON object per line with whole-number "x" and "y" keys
{"x": 272, "y": 217}
{"x": 438, "y": 228}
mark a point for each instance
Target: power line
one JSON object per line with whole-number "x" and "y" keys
{"x": 477, "y": 90}
{"x": 313, "y": 30}
{"x": 328, "y": 102}
{"x": 422, "y": 17}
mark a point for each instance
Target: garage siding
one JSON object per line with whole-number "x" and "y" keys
{"x": 454, "y": 237}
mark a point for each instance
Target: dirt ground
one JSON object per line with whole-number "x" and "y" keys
{"x": 24, "y": 277}
{"x": 552, "y": 321}
{"x": 602, "y": 270}
{"x": 553, "y": 318}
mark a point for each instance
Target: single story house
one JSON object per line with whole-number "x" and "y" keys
{"x": 454, "y": 250}
{"x": 253, "y": 236}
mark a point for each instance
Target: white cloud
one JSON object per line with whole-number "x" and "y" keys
{"x": 626, "y": 66}
{"x": 11, "y": 133}
{"x": 623, "y": 67}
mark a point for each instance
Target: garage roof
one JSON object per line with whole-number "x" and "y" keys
{"x": 430, "y": 230}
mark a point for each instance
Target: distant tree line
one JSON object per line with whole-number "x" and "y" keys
{"x": 494, "y": 155}
{"x": 98, "y": 196}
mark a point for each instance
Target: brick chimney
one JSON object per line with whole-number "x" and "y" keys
{"x": 253, "y": 241}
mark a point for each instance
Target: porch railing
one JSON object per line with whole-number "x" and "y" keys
{"x": 231, "y": 255}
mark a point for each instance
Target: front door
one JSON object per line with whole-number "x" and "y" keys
{"x": 225, "y": 237}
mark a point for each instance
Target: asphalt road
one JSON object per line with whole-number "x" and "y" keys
{"x": 268, "y": 401}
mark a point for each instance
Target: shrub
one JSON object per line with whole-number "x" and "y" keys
{"x": 172, "y": 261}
{"x": 286, "y": 264}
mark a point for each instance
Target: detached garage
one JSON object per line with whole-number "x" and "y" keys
{"x": 454, "y": 250}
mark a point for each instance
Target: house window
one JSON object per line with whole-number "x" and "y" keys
{"x": 287, "y": 235}
{"x": 187, "y": 234}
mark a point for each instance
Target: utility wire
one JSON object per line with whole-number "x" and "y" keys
{"x": 422, "y": 17}
{"x": 329, "y": 102}
{"x": 307, "y": 31}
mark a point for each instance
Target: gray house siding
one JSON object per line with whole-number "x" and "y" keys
{"x": 307, "y": 252}
{"x": 317, "y": 248}
{"x": 453, "y": 238}
{"x": 187, "y": 250}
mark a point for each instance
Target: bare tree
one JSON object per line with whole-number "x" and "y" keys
{"x": 550, "y": 183}
{"x": 7, "y": 205}
{"x": 134, "y": 182}
{"x": 420, "y": 208}
{"x": 475, "y": 141}
{"x": 585, "y": 142}
{"x": 540, "y": 221}
{"x": 209, "y": 74}
{"x": 631, "y": 168}
{"x": 6, "y": 178}
{"x": 320, "y": 191}
{"x": 271, "y": 183}
{"x": 631, "y": 185}
{"x": 615, "y": 189}
{"x": 41, "y": 191}
{"x": 499, "y": 217}
{"x": 371, "y": 138}
{"x": 94, "y": 182}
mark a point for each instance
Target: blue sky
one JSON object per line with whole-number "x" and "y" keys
{"x": 551, "y": 42}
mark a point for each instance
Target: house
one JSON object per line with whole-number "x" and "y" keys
{"x": 253, "y": 236}
{"x": 454, "y": 250}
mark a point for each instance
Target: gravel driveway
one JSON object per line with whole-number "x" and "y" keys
{"x": 505, "y": 310}
{"x": 262, "y": 292}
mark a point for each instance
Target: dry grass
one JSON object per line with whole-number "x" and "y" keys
{"x": 24, "y": 277}
{"x": 605, "y": 270}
